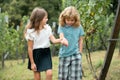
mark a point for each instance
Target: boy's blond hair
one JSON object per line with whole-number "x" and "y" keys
{"x": 68, "y": 13}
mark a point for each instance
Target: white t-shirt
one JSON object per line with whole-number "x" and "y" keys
{"x": 41, "y": 39}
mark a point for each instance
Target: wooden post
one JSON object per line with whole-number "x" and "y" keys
{"x": 111, "y": 46}
{"x": 3, "y": 64}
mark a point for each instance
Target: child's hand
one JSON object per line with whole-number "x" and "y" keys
{"x": 64, "y": 41}
{"x": 33, "y": 67}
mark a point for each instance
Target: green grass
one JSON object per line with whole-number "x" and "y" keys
{"x": 16, "y": 70}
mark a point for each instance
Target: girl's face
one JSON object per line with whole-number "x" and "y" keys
{"x": 44, "y": 21}
{"x": 70, "y": 21}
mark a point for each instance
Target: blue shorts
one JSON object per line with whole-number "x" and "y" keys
{"x": 42, "y": 59}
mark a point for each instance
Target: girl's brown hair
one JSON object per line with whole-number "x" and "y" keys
{"x": 68, "y": 13}
{"x": 36, "y": 17}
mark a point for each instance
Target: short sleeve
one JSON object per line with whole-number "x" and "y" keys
{"x": 82, "y": 33}
{"x": 29, "y": 35}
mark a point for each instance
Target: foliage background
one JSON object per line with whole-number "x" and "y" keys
{"x": 97, "y": 19}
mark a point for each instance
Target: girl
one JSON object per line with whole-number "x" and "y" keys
{"x": 70, "y": 57}
{"x": 38, "y": 35}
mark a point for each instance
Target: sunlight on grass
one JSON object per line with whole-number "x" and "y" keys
{"x": 17, "y": 70}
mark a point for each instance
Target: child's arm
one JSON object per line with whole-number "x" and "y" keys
{"x": 61, "y": 35}
{"x": 60, "y": 40}
{"x": 30, "y": 53}
{"x": 54, "y": 40}
{"x": 64, "y": 40}
{"x": 81, "y": 44}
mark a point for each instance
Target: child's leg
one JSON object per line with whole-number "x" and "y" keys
{"x": 75, "y": 70}
{"x": 63, "y": 68}
{"x": 37, "y": 75}
{"x": 49, "y": 74}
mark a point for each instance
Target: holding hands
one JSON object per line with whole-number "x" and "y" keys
{"x": 64, "y": 41}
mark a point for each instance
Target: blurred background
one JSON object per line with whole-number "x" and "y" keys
{"x": 97, "y": 19}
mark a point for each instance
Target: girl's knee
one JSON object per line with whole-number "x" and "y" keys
{"x": 49, "y": 73}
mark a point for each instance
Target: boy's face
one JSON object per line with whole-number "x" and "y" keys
{"x": 70, "y": 21}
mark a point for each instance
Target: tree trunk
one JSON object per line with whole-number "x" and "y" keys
{"x": 53, "y": 50}
{"x": 3, "y": 61}
{"x": 119, "y": 50}
{"x": 111, "y": 46}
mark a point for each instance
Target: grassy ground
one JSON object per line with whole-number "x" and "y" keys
{"x": 16, "y": 70}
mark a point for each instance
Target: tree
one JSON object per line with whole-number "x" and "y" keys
{"x": 8, "y": 37}
{"x": 19, "y": 8}
{"x": 112, "y": 44}
{"x": 95, "y": 20}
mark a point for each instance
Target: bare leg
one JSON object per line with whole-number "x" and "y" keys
{"x": 49, "y": 74}
{"x": 37, "y": 75}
